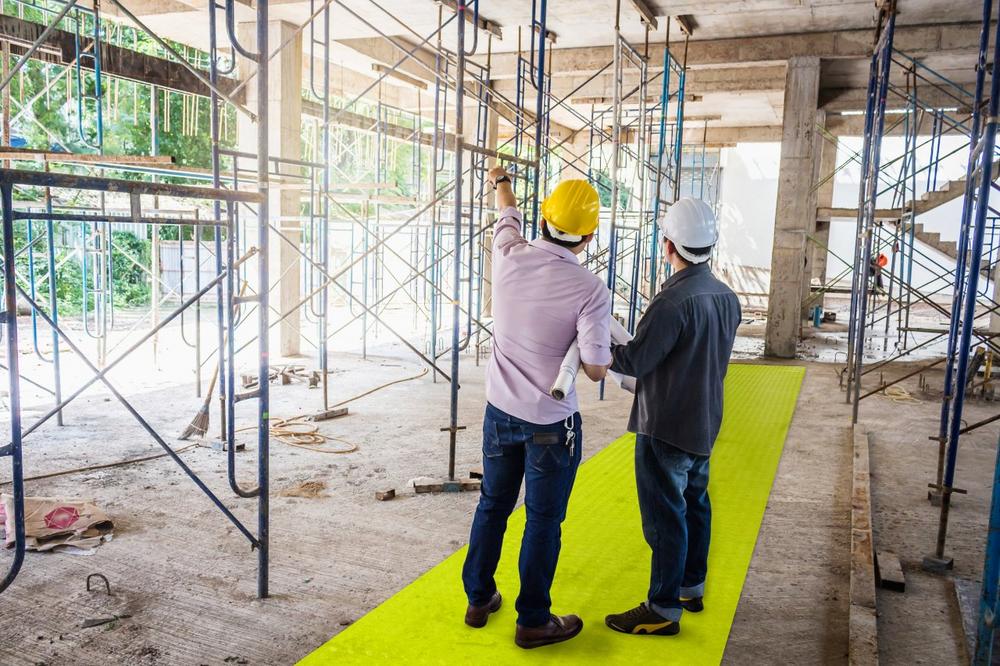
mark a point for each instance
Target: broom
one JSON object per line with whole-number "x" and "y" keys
{"x": 199, "y": 424}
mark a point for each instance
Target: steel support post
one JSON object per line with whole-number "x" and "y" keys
{"x": 979, "y": 182}
{"x": 13, "y": 449}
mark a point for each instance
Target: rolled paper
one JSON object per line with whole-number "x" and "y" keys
{"x": 570, "y": 366}
{"x": 567, "y": 373}
{"x": 621, "y": 336}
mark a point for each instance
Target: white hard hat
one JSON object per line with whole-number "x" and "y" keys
{"x": 690, "y": 223}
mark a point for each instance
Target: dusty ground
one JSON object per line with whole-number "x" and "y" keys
{"x": 923, "y": 625}
{"x": 187, "y": 577}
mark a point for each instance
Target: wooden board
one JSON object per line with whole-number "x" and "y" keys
{"x": 863, "y": 630}
{"x": 889, "y": 571}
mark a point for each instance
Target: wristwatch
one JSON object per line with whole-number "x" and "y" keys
{"x": 501, "y": 179}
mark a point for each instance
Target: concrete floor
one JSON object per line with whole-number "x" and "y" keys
{"x": 187, "y": 577}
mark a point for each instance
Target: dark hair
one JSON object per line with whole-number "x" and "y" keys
{"x": 697, "y": 251}
{"x": 547, "y": 235}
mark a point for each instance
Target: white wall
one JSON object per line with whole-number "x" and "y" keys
{"x": 749, "y": 190}
{"x": 747, "y": 201}
{"x": 944, "y": 219}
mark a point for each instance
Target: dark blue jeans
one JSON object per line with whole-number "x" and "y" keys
{"x": 676, "y": 521}
{"x": 546, "y": 457}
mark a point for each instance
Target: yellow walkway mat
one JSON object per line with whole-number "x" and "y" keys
{"x": 604, "y": 566}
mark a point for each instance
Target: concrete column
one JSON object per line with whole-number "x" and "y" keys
{"x": 796, "y": 208}
{"x": 284, "y": 91}
{"x": 824, "y": 199}
{"x": 810, "y": 253}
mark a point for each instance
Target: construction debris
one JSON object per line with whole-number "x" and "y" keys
{"x": 308, "y": 489}
{"x": 329, "y": 414}
{"x": 52, "y": 523}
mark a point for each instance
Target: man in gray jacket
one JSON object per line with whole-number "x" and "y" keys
{"x": 679, "y": 358}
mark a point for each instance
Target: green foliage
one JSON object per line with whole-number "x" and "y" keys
{"x": 49, "y": 114}
{"x": 132, "y": 283}
{"x": 602, "y": 183}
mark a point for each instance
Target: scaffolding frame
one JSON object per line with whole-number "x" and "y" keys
{"x": 440, "y": 216}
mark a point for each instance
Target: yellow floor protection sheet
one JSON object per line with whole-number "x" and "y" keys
{"x": 604, "y": 565}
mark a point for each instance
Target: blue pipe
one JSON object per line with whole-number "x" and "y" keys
{"x": 14, "y": 378}
{"x": 883, "y": 58}
{"x": 859, "y": 271}
{"x": 539, "y": 107}
{"x": 968, "y": 302}
{"x": 54, "y": 308}
{"x": 991, "y": 574}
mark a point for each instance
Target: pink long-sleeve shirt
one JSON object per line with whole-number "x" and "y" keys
{"x": 543, "y": 299}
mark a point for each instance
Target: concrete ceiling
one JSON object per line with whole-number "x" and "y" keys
{"x": 736, "y": 55}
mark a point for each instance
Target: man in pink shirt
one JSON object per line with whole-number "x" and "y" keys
{"x": 543, "y": 300}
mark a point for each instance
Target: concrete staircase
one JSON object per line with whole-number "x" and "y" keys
{"x": 927, "y": 202}
{"x": 933, "y": 240}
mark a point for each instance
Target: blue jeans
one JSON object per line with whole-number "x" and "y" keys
{"x": 676, "y": 521}
{"x": 546, "y": 457}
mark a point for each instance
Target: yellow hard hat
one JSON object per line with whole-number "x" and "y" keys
{"x": 572, "y": 207}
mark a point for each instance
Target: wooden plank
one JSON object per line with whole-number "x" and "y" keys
{"x": 645, "y": 13}
{"x": 889, "y": 571}
{"x": 863, "y": 636}
{"x": 458, "y": 485}
{"x": 863, "y": 631}
{"x": 489, "y": 26}
{"x": 328, "y": 414}
{"x": 11, "y": 153}
{"x": 379, "y": 68}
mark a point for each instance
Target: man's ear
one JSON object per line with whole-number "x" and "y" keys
{"x": 587, "y": 238}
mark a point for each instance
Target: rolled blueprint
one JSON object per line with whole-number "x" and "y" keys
{"x": 567, "y": 373}
{"x": 621, "y": 336}
{"x": 571, "y": 366}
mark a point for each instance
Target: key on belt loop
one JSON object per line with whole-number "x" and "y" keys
{"x": 570, "y": 423}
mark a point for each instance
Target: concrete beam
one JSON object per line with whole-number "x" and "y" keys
{"x": 59, "y": 47}
{"x": 796, "y": 206}
{"x": 347, "y": 83}
{"x": 143, "y": 8}
{"x": 386, "y": 53}
{"x": 489, "y": 26}
{"x": 367, "y": 124}
{"x": 854, "y": 125}
{"x": 838, "y": 100}
{"x": 697, "y": 82}
{"x": 774, "y": 49}
{"x": 730, "y": 136}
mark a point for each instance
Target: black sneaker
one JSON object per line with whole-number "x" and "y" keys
{"x": 692, "y": 605}
{"x": 642, "y": 620}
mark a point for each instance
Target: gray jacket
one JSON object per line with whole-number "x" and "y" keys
{"x": 679, "y": 358}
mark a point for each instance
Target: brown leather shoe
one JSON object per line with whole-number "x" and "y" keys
{"x": 476, "y": 616}
{"x": 559, "y": 629}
